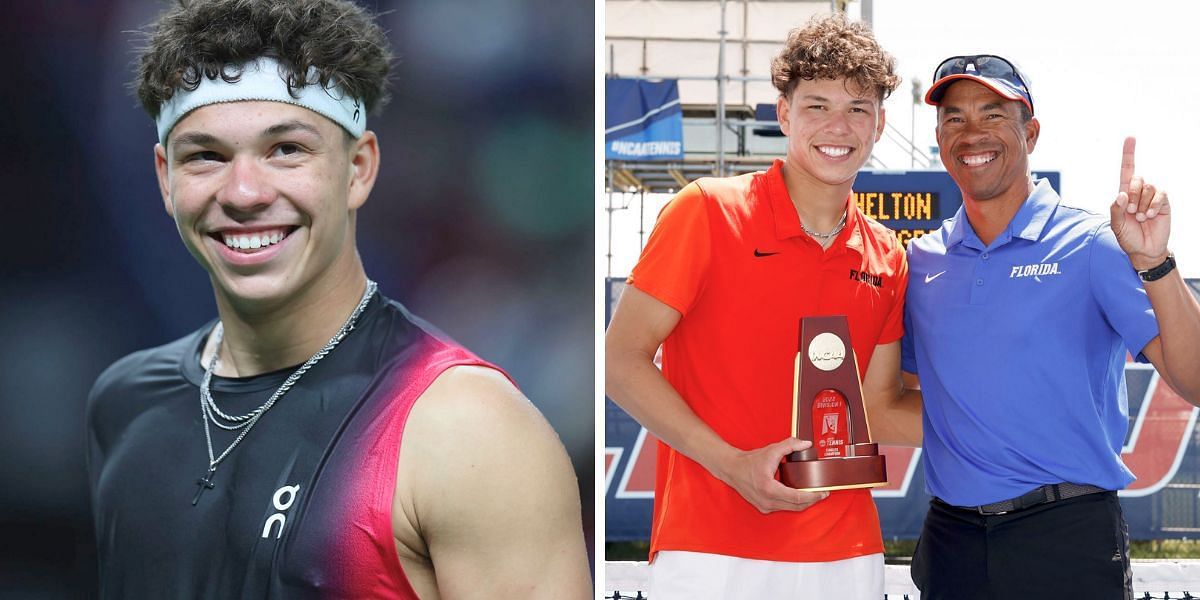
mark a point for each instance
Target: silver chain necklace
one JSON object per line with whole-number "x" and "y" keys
{"x": 246, "y": 422}
{"x": 824, "y": 236}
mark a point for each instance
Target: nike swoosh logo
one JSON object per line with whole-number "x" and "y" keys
{"x": 762, "y": 254}
{"x": 929, "y": 278}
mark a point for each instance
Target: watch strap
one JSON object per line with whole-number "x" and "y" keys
{"x": 1156, "y": 273}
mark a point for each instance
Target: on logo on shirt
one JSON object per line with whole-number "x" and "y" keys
{"x": 280, "y": 505}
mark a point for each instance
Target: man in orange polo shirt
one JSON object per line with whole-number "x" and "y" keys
{"x": 732, "y": 266}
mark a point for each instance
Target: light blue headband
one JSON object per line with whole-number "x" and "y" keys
{"x": 265, "y": 79}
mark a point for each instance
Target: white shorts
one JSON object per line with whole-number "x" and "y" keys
{"x": 681, "y": 575}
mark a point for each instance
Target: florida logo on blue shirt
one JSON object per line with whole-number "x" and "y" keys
{"x": 1036, "y": 270}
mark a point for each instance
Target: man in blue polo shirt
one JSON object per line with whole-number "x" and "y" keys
{"x": 1020, "y": 311}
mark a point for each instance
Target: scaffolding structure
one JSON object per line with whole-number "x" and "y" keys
{"x": 663, "y": 39}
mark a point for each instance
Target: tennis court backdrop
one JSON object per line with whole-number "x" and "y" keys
{"x": 1161, "y": 448}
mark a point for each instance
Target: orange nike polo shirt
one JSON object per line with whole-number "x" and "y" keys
{"x": 730, "y": 256}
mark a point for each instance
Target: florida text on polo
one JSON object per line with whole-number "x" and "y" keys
{"x": 1020, "y": 349}
{"x": 730, "y": 256}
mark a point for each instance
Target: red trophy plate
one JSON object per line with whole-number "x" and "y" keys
{"x": 828, "y": 409}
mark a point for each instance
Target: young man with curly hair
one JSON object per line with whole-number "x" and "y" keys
{"x": 732, "y": 266}
{"x": 315, "y": 440}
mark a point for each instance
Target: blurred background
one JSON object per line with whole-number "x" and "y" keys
{"x": 481, "y": 222}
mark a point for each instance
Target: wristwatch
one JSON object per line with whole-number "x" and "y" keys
{"x": 1156, "y": 273}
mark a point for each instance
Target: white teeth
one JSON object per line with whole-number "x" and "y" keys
{"x": 254, "y": 241}
{"x": 834, "y": 151}
{"x": 978, "y": 159}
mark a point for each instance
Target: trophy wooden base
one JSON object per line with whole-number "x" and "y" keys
{"x": 864, "y": 467}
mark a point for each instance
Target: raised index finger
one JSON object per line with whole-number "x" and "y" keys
{"x": 1127, "y": 163}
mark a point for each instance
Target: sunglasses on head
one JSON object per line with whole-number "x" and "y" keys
{"x": 982, "y": 65}
{"x": 986, "y": 65}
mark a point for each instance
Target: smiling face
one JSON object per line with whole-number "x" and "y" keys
{"x": 985, "y": 143}
{"x": 831, "y": 129}
{"x": 264, "y": 196}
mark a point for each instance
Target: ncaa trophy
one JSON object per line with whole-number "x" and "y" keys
{"x": 828, "y": 409}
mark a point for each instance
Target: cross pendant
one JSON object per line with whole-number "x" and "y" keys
{"x": 204, "y": 483}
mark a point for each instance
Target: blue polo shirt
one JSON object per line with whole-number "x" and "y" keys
{"x": 1020, "y": 348}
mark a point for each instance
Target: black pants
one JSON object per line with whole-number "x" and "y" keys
{"x": 1075, "y": 548}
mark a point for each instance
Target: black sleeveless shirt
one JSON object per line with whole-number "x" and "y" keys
{"x": 301, "y": 508}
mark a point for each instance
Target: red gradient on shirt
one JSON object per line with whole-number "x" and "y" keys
{"x": 368, "y": 565}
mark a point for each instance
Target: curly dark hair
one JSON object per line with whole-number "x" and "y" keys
{"x": 830, "y": 47}
{"x": 213, "y": 38}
